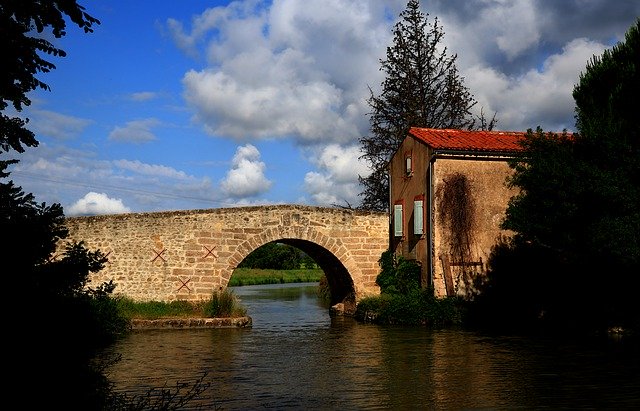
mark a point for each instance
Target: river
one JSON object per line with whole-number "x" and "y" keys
{"x": 298, "y": 357}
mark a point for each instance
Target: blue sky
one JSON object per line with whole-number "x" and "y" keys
{"x": 204, "y": 104}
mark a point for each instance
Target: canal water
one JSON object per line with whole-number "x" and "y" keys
{"x": 297, "y": 357}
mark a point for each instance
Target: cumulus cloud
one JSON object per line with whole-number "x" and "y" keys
{"x": 539, "y": 97}
{"x": 336, "y": 182}
{"x": 298, "y": 70}
{"x": 97, "y": 203}
{"x": 246, "y": 177}
{"x": 136, "y": 131}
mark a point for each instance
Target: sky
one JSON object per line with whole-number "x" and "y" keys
{"x": 179, "y": 105}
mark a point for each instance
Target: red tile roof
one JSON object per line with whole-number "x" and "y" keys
{"x": 463, "y": 140}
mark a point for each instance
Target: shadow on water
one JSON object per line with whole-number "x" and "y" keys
{"x": 297, "y": 356}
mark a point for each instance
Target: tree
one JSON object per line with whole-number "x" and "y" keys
{"x": 576, "y": 218}
{"x": 60, "y": 321}
{"x": 422, "y": 88}
{"x": 273, "y": 256}
{"x": 22, "y": 28}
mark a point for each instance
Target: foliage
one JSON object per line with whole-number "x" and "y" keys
{"x": 24, "y": 25}
{"x": 221, "y": 304}
{"x": 224, "y": 304}
{"x": 250, "y": 276}
{"x": 397, "y": 275}
{"x": 66, "y": 322}
{"x": 419, "y": 307}
{"x": 577, "y": 220}
{"x": 402, "y": 301}
{"x": 183, "y": 394}
{"x": 422, "y": 88}
{"x": 274, "y": 256}
{"x": 158, "y": 309}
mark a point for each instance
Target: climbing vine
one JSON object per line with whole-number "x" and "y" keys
{"x": 457, "y": 213}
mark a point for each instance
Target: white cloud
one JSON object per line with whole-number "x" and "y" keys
{"x": 246, "y": 177}
{"x": 300, "y": 70}
{"x": 56, "y": 125}
{"x": 539, "y": 97}
{"x": 154, "y": 170}
{"x": 143, "y": 96}
{"x": 62, "y": 175}
{"x": 136, "y": 131}
{"x": 97, "y": 203}
{"x": 337, "y": 179}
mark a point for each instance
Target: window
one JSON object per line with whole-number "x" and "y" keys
{"x": 418, "y": 215}
{"x": 408, "y": 164}
{"x": 398, "y": 219}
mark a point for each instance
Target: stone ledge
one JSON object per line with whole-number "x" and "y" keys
{"x": 173, "y": 323}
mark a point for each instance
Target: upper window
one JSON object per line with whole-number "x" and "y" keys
{"x": 408, "y": 164}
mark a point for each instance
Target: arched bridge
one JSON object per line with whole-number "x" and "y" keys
{"x": 186, "y": 255}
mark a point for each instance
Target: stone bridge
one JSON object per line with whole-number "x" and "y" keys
{"x": 186, "y": 255}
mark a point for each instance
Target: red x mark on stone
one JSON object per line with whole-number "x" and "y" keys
{"x": 159, "y": 255}
{"x": 184, "y": 284}
{"x": 210, "y": 252}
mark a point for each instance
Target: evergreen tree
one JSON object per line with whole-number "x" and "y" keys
{"x": 422, "y": 88}
{"x": 576, "y": 219}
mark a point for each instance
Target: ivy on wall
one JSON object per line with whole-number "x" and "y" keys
{"x": 457, "y": 212}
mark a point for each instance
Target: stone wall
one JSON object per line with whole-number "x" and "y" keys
{"x": 186, "y": 255}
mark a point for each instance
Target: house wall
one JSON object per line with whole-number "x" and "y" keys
{"x": 490, "y": 196}
{"x": 405, "y": 188}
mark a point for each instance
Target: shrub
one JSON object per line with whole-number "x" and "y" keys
{"x": 419, "y": 307}
{"x": 398, "y": 275}
{"x": 224, "y": 304}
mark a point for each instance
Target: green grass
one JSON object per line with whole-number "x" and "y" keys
{"x": 221, "y": 305}
{"x": 250, "y": 276}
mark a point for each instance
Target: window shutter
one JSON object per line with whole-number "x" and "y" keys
{"x": 418, "y": 217}
{"x": 397, "y": 220}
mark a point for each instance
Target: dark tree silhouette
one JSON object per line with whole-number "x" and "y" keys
{"x": 23, "y": 26}
{"x": 575, "y": 256}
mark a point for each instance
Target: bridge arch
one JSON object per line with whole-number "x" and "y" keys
{"x": 188, "y": 254}
{"x": 330, "y": 254}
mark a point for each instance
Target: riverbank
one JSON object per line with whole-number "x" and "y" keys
{"x": 255, "y": 276}
{"x": 190, "y": 323}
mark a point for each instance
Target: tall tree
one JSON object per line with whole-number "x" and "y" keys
{"x": 50, "y": 289}
{"x": 576, "y": 219}
{"x": 580, "y": 194}
{"x": 422, "y": 88}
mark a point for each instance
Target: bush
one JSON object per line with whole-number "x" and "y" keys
{"x": 224, "y": 304}
{"x": 419, "y": 307}
{"x": 398, "y": 275}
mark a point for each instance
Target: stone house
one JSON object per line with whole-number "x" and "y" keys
{"x": 448, "y": 197}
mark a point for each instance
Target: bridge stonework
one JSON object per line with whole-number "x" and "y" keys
{"x": 186, "y": 255}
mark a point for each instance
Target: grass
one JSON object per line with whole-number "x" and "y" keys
{"x": 252, "y": 276}
{"x": 222, "y": 304}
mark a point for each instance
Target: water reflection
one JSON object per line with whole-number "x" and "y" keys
{"x": 296, "y": 356}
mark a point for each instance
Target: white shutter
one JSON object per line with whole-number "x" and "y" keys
{"x": 418, "y": 219}
{"x": 397, "y": 220}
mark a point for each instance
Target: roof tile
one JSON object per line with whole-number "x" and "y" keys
{"x": 463, "y": 140}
